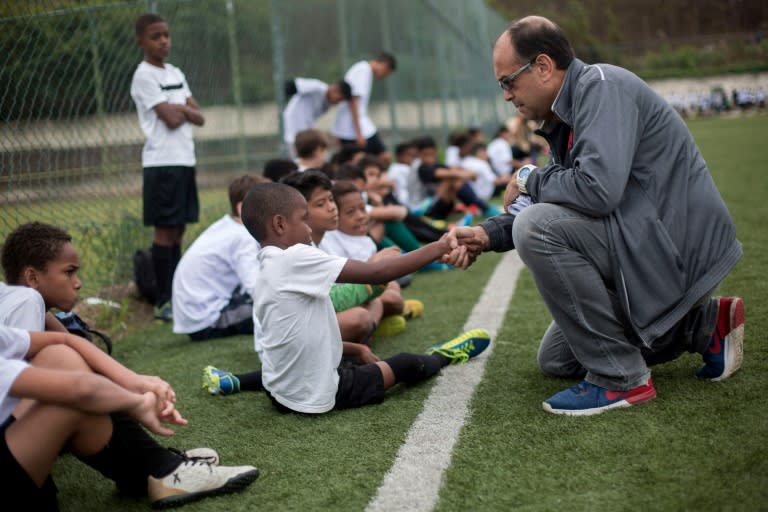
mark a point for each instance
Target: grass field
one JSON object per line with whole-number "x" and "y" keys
{"x": 697, "y": 446}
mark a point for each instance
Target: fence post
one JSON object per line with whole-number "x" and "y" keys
{"x": 341, "y": 21}
{"x": 417, "y": 57}
{"x": 98, "y": 84}
{"x": 278, "y": 68}
{"x": 234, "y": 61}
{"x": 391, "y": 81}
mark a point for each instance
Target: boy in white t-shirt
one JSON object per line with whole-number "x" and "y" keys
{"x": 301, "y": 348}
{"x": 487, "y": 182}
{"x": 58, "y": 393}
{"x": 166, "y": 111}
{"x": 215, "y": 279}
{"x": 352, "y": 125}
{"x": 310, "y": 99}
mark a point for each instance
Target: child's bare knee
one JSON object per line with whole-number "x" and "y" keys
{"x": 59, "y": 356}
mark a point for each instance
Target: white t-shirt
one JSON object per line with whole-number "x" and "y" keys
{"x": 500, "y": 156}
{"x": 151, "y": 86}
{"x": 222, "y": 258}
{"x": 360, "y": 79}
{"x": 354, "y": 247}
{"x": 300, "y": 347}
{"x": 398, "y": 173}
{"x": 304, "y": 107}
{"x": 484, "y": 184}
{"x": 22, "y": 307}
{"x": 452, "y": 158}
{"x": 14, "y": 346}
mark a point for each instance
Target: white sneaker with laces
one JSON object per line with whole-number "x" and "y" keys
{"x": 194, "y": 479}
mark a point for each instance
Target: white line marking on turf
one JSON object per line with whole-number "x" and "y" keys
{"x": 413, "y": 482}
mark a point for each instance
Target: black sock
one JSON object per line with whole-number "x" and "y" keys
{"x": 413, "y": 368}
{"x": 250, "y": 381}
{"x": 162, "y": 259}
{"x": 175, "y": 258}
{"x": 131, "y": 455}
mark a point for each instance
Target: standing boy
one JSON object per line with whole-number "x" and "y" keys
{"x": 166, "y": 112}
{"x": 352, "y": 124}
{"x": 301, "y": 348}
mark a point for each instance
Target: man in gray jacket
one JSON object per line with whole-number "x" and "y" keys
{"x": 628, "y": 235}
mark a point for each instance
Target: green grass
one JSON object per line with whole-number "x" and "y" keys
{"x": 697, "y": 446}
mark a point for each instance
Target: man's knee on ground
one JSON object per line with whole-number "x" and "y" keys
{"x": 60, "y": 357}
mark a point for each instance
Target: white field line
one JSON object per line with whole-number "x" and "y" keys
{"x": 413, "y": 482}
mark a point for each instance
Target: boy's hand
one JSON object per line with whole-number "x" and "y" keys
{"x": 166, "y": 396}
{"x": 146, "y": 413}
{"x": 366, "y": 355}
{"x": 474, "y": 240}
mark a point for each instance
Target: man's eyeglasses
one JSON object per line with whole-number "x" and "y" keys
{"x": 506, "y": 82}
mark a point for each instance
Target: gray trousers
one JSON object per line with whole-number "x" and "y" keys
{"x": 567, "y": 253}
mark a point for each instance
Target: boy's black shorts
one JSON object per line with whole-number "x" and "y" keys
{"x": 373, "y": 146}
{"x": 16, "y": 486}
{"x": 358, "y": 386}
{"x": 170, "y": 196}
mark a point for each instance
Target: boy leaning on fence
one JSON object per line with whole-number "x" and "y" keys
{"x": 58, "y": 391}
{"x": 166, "y": 112}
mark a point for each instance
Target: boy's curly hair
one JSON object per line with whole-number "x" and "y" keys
{"x": 33, "y": 244}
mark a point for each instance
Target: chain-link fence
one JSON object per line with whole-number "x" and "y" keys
{"x": 70, "y": 143}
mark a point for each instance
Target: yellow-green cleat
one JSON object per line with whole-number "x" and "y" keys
{"x": 463, "y": 347}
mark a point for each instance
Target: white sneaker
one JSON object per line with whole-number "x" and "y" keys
{"x": 193, "y": 480}
{"x": 207, "y": 455}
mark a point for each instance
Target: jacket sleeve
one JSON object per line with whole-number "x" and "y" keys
{"x": 605, "y": 139}
{"x": 499, "y": 230}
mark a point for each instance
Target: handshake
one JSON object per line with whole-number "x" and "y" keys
{"x": 463, "y": 245}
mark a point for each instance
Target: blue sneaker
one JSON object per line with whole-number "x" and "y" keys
{"x": 586, "y": 399}
{"x": 725, "y": 352}
{"x": 219, "y": 382}
{"x": 491, "y": 211}
{"x": 463, "y": 347}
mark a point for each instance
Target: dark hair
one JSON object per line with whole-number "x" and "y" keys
{"x": 278, "y": 167}
{"x": 461, "y": 139}
{"x": 502, "y": 129}
{"x": 346, "y": 153}
{"x": 33, "y": 244}
{"x": 350, "y": 172}
{"x": 307, "y": 141}
{"x": 388, "y": 59}
{"x": 306, "y": 182}
{"x": 342, "y": 188}
{"x": 425, "y": 142}
{"x": 403, "y": 147}
{"x": 345, "y": 88}
{"x": 239, "y": 187}
{"x": 474, "y": 148}
{"x": 370, "y": 160}
{"x": 145, "y": 20}
{"x": 533, "y": 37}
{"x": 264, "y": 201}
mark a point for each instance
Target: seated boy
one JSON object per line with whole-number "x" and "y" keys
{"x": 59, "y": 392}
{"x": 487, "y": 182}
{"x": 41, "y": 263}
{"x": 358, "y": 309}
{"x": 302, "y": 348}
{"x": 213, "y": 284}
{"x": 351, "y": 240}
{"x": 441, "y": 183}
{"x": 311, "y": 148}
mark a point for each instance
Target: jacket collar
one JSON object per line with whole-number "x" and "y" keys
{"x": 562, "y": 107}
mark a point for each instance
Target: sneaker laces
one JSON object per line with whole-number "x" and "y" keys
{"x": 457, "y": 356}
{"x": 192, "y": 460}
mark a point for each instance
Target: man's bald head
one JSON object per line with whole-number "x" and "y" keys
{"x": 534, "y": 35}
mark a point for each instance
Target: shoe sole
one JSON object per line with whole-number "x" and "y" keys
{"x": 234, "y": 484}
{"x": 734, "y": 340}
{"x": 637, "y": 399}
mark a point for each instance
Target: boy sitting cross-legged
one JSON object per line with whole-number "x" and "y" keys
{"x": 301, "y": 347}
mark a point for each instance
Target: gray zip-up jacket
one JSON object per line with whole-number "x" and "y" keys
{"x": 621, "y": 153}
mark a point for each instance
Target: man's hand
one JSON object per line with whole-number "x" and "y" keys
{"x": 474, "y": 240}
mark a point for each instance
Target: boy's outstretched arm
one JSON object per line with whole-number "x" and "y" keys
{"x": 387, "y": 269}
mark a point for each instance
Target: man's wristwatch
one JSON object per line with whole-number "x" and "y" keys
{"x": 522, "y": 177}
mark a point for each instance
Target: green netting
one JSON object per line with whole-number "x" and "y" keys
{"x": 70, "y": 143}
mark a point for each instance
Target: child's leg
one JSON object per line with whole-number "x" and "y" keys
{"x": 399, "y": 233}
{"x": 392, "y": 299}
{"x": 410, "y": 368}
{"x": 357, "y": 324}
